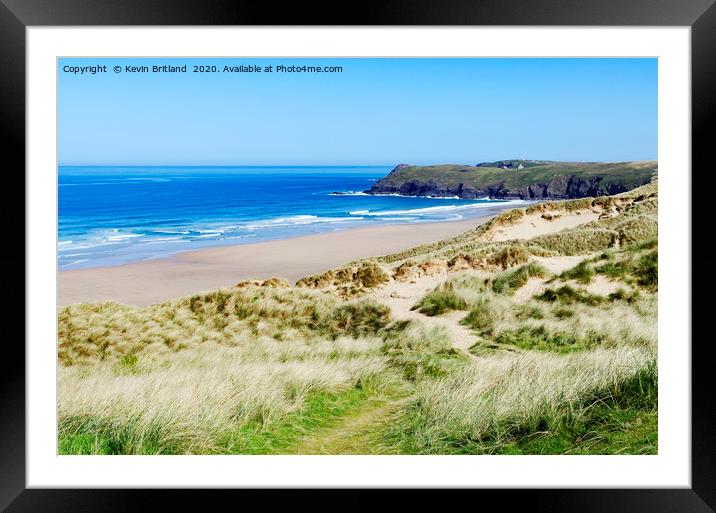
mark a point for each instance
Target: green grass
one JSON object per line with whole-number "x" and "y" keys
{"x": 639, "y": 246}
{"x": 607, "y": 429}
{"x": 85, "y": 443}
{"x": 481, "y": 317}
{"x": 581, "y": 273}
{"x": 568, "y": 295}
{"x": 442, "y": 299}
{"x": 420, "y": 353}
{"x": 539, "y": 338}
{"x": 633, "y": 265}
{"x": 509, "y": 281}
{"x": 563, "y": 313}
{"x": 615, "y": 418}
{"x": 320, "y": 410}
{"x": 451, "y": 177}
{"x": 355, "y": 319}
{"x": 104, "y": 438}
{"x": 529, "y": 311}
{"x": 622, "y": 422}
{"x": 624, "y": 295}
{"x": 646, "y": 269}
{"x": 614, "y": 270}
{"x": 96, "y": 332}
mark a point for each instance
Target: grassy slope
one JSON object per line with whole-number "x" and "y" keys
{"x": 281, "y": 370}
{"x": 474, "y": 411}
{"x": 471, "y": 412}
{"x": 592, "y": 402}
{"x": 631, "y": 174}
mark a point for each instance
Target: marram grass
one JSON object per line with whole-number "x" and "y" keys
{"x": 558, "y": 365}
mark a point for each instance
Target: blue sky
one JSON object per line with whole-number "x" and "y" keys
{"x": 376, "y": 112}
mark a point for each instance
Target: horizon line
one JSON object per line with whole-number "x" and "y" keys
{"x": 225, "y": 165}
{"x": 346, "y": 165}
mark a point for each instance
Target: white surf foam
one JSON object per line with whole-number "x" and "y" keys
{"x": 442, "y": 209}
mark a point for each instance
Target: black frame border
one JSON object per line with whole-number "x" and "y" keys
{"x": 700, "y": 15}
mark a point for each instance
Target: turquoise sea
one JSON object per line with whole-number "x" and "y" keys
{"x": 114, "y": 215}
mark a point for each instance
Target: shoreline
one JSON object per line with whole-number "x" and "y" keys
{"x": 114, "y": 249}
{"x": 156, "y": 280}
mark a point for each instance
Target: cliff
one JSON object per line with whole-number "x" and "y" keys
{"x": 524, "y": 179}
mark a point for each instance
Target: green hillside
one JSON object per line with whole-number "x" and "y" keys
{"x": 526, "y": 179}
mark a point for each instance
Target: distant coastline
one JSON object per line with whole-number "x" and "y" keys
{"x": 516, "y": 179}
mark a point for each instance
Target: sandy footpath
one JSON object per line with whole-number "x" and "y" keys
{"x": 154, "y": 281}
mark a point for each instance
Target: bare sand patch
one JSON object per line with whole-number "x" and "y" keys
{"x": 534, "y": 225}
{"x": 603, "y": 286}
{"x": 529, "y": 289}
{"x": 559, "y": 264}
{"x": 402, "y": 296}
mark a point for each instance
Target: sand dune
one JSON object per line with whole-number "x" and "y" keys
{"x": 153, "y": 281}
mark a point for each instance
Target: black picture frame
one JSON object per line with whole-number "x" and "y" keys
{"x": 700, "y": 15}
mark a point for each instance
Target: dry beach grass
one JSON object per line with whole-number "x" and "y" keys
{"x": 534, "y": 332}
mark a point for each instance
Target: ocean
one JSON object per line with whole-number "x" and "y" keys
{"x": 115, "y": 215}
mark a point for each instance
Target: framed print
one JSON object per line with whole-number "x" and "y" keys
{"x": 426, "y": 250}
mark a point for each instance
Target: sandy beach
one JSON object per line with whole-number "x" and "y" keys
{"x": 153, "y": 281}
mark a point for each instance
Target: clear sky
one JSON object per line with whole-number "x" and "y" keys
{"x": 374, "y": 112}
